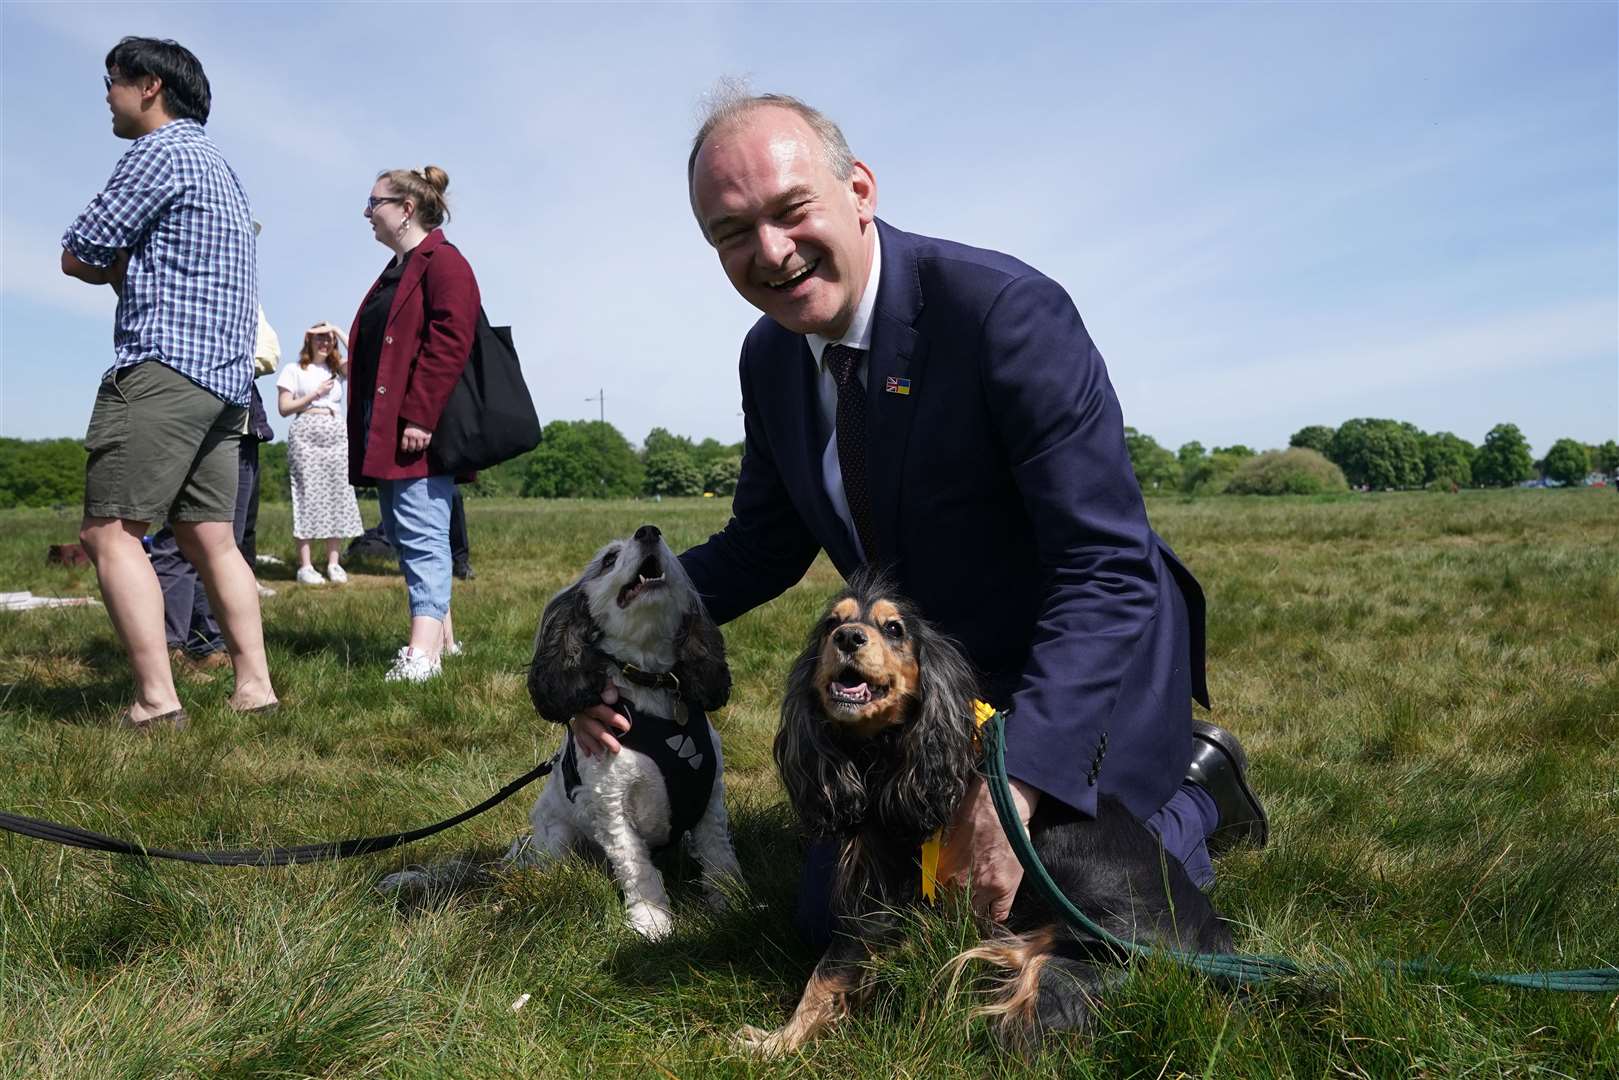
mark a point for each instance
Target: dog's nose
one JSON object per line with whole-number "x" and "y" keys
{"x": 849, "y": 638}
{"x": 647, "y": 534}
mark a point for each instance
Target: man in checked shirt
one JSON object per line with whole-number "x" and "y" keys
{"x": 172, "y": 233}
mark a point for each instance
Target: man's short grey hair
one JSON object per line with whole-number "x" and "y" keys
{"x": 731, "y": 99}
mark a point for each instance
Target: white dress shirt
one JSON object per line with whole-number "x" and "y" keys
{"x": 857, "y": 336}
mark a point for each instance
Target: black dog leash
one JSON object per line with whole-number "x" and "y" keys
{"x": 71, "y": 836}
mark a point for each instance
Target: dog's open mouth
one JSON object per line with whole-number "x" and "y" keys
{"x": 648, "y": 576}
{"x": 850, "y": 689}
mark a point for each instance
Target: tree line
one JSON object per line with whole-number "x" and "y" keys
{"x": 592, "y": 459}
{"x": 1365, "y": 454}
{"x": 582, "y": 459}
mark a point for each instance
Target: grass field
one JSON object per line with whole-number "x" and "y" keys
{"x": 1426, "y": 685}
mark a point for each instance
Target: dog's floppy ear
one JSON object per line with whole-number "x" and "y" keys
{"x": 936, "y": 746}
{"x": 700, "y": 661}
{"x": 568, "y": 673}
{"x": 822, "y": 781}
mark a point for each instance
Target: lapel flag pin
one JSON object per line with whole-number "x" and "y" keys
{"x": 897, "y": 385}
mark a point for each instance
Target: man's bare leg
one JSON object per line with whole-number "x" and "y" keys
{"x": 135, "y": 604}
{"x": 233, "y": 593}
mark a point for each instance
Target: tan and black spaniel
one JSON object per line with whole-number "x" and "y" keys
{"x": 876, "y": 749}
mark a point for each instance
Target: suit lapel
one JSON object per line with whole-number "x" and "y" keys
{"x": 898, "y": 352}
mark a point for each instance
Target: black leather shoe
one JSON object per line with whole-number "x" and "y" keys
{"x": 1220, "y": 768}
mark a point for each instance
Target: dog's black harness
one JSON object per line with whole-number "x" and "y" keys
{"x": 682, "y": 751}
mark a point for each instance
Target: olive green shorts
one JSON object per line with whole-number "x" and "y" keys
{"x": 161, "y": 447}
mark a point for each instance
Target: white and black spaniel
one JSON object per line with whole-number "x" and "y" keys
{"x": 631, "y": 620}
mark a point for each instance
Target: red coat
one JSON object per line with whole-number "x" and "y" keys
{"x": 431, "y": 326}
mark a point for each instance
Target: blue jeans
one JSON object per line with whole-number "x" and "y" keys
{"x": 416, "y": 517}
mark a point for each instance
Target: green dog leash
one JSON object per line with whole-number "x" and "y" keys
{"x": 1250, "y": 969}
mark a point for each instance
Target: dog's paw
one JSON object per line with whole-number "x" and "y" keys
{"x": 522, "y": 852}
{"x": 649, "y": 920}
{"x": 757, "y": 1042}
{"x": 404, "y": 881}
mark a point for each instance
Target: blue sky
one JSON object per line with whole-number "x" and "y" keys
{"x": 1268, "y": 215}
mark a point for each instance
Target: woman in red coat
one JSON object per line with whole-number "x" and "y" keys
{"x": 411, "y": 338}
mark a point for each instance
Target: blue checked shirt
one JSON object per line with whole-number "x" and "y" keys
{"x": 190, "y": 294}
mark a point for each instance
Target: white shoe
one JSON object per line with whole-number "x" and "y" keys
{"x": 412, "y": 666}
{"x": 336, "y": 573}
{"x": 265, "y": 592}
{"x": 308, "y": 575}
{"x": 454, "y": 648}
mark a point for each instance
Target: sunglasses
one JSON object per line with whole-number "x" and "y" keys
{"x": 375, "y": 201}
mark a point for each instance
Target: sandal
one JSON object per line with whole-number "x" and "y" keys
{"x": 175, "y": 720}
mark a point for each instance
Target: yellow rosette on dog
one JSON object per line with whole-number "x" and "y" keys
{"x": 933, "y": 846}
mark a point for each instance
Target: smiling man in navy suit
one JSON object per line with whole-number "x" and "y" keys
{"x": 940, "y": 411}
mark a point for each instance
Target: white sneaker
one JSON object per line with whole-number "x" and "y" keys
{"x": 412, "y": 666}
{"x": 308, "y": 575}
{"x": 454, "y": 648}
{"x": 265, "y": 591}
{"x": 336, "y": 573}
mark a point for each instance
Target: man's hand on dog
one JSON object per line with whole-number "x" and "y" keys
{"x": 978, "y": 851}
{"x": 593, "y": 729}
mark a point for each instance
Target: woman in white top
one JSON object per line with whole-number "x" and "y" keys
{"x": 323, "y": 505}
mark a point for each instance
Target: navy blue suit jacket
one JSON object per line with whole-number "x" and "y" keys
{"x": 1003, "y": 504}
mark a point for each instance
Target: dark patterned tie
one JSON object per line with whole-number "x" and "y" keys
{"x": 844, "y": 363}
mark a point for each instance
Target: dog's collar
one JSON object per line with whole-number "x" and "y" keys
{"x": 654, "y": 680}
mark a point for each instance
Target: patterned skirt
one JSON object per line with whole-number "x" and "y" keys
{"x": 318, "y": 456}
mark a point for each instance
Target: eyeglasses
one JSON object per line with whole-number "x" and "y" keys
{"x": 374, "y": 201}
{"x": 108, "y": 80}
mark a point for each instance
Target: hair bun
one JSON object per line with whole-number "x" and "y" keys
{"x": 436, "y": 178}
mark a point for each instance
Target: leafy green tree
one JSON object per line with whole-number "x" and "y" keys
{"x": 722, "y": 476}
{"x": 1155, "y": 467}
{"x": 1237, "y": 450}
{"x": 670, "y": 472}
{"x": 1378, "y": 453}
{"x": 1605, "y": 459}
{"x": 660, "y": 440}
{"x": 41, "y": 472}
{"x": 710, "y": 451}
{"x": 1297, "y": 470}
{"x": 1447, "y": 459}
{"x": 275, "y": 475}
{"x": 1222, "y": 464}
{"x": 1567, "y": 461}
{"x": 1504, "y": 459}
{"x": 1207, "y": 474}
{"x": 1316, "y": 437}
{"x": 1190, "y": 457}
{"x": 583, "y": 459}
{"x": 503, "y": 480}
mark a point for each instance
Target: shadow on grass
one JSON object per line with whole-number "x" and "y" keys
{"x": 317, "y": 641}
{"x": 83, "y": 686}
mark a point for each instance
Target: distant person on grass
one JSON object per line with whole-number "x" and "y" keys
{"x": 323, "y": 504}
{"x": 172, "y": 233}
{"x": 410, "y": 341}
{"x": 940, "y": 411}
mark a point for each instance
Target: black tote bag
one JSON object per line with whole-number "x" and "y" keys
{"x": 490, "y": 417}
